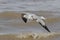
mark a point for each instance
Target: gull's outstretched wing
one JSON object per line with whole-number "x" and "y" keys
{"x": 24, "y": 19}
{"x": 44, "y": 26}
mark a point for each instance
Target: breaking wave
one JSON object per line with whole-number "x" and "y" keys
{"x": 31, "y": 36}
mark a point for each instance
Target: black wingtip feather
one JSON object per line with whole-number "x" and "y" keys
{"x": 44, "y": 26}
{"x": 24, "y": 19}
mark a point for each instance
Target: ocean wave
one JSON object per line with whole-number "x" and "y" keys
{"x": 31, "y": 36}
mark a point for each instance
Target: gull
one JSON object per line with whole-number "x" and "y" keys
{"x": 33, "y": 17}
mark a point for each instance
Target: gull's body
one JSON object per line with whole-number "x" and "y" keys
{"x": 31, "y": 17}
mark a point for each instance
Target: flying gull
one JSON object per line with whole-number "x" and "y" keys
{"x": 32, "y": 17}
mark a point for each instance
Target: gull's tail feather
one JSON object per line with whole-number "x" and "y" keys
{"x": 45, "y": 27}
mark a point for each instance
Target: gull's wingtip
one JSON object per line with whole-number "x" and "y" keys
{"x": 45, "y": 27}
{"x": 24, "y": 19}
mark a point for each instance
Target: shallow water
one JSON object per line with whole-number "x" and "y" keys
{"x": 11, "y": 22}
{"x": 30, "y": 5}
